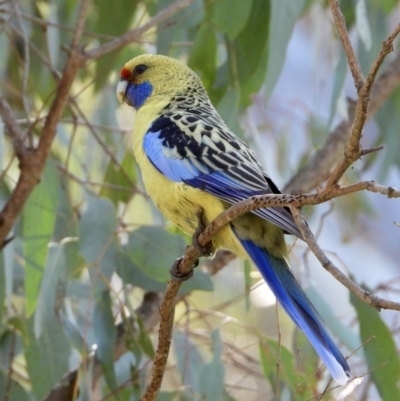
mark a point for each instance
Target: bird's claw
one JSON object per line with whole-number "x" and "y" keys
{"x": 176, "y": 273}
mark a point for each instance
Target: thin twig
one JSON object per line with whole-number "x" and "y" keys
{"x": 12, "y": 128}
{"x": 348, "y": 48}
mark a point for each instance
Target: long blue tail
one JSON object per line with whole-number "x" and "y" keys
{"x": 293, "y": 299}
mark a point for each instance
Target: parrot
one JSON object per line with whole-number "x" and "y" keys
{"x": 194, "y": 168}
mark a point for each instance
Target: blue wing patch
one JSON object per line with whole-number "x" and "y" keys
{"x": 199, "y": 161}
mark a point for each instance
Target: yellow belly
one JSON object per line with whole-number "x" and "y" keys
{"x": 181, "y": 203}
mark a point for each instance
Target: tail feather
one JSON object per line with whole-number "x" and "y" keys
{"x": 293, "y": 299}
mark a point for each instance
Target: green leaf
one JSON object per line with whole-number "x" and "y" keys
{"x": 54, "y": 270}
{"x": 66, "y": 231}
{"x": 144, "y": 339}
{"x": 38, "y": 220}
{"x": 387, "y": 5}
{"x": 231, "y": 16}
{"x": 340, "y": 76}
{"x": 115, "y": 177}
{"x": 388, "y": 120}
{"x": 106, "y": 335}
{"x": 378, "y": 27}
{"x": 12, "y": 390}
{"x": 176, "y": 28}
{"x": 131, "y": 273}
{"x": 164, "y": 396}
{"x": 203, "y": 55}
{"x": 108, "y": 13}
{"x": 275, "y": 356}
{"x": 154, "y": 250}
{"x": 228, "y": 108}
{"x": 284, "y": 15}
{"x": 362, "y": 24}
{"x": 307, "y": 359}
{"x": 248, "y": 53}
{"x": 212, "y": 374}
{"x": 380, "y": 350}
{"x": 97, "y": 241}
{"x": 348, "y": 10}
{"x": 189, "y": 361}
{"x": 47, "y": 357}
{"x": 11, "y": 342}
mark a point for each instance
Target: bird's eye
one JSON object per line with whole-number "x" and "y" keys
{"x": 140, "y": 69}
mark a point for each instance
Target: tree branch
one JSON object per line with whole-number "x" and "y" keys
{"x": 347, "y": 46}
{"x": 32, "y": 162}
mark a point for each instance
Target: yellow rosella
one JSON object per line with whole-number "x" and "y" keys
{"x": 193, "y": 165}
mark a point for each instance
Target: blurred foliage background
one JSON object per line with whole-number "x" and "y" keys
{"x": 89, "y": 254}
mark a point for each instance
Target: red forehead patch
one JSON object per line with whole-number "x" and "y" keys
{"x": 125, "y": 73}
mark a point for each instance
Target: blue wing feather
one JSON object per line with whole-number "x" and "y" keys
{"x": 230, "y": 176}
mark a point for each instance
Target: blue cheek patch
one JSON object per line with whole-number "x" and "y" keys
{"x": 137, "y": 94}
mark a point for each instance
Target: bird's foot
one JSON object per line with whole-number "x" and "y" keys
{"x": 176, "y": 272}
{"x": 203, "y": 250}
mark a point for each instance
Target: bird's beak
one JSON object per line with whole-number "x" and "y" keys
{"x": 121, "y": 89}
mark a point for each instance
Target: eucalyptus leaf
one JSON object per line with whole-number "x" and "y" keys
{"x": 237, "y": 12}
{"x": 108, "y": 13}
{"x": 205, "y": 43}
{"x": 38, "y": 219}
{"x": 212, "y": 374}
{"x": 362, "y": 24}
{"x": 47, "y": 357}
{"x": 190, "y": 362}
{"x": 54, "y": 270}
{"x": 284, "y": 15}
{"x": 106, "y": 335}
{"x": 154, "y": 250}
{"x": 12, "y": 389}
{"x": 97, "y": 241}
{"x": 380, "y": 350}
{"x": 340, "y": 76}
{"x": 131, "y": 273}
{"x": 274, "y": 356}
{"x": 120, "y": 179}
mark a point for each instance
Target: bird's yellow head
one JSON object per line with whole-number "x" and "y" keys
{"x": 154, "y": 77}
